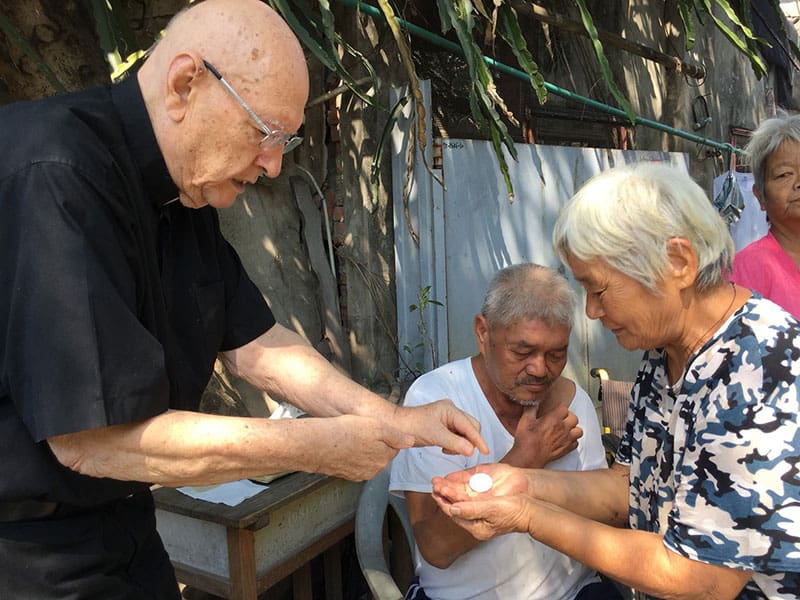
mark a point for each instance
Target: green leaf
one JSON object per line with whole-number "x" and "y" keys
{"x": 375, "y": 170}
{"x": 588, "y": 24}
{"x": 481, "y": 105}
{"x": 498, "y": 150}
{"x": 301, "y": 30}
{"x": 685, "y": 8}
{"x": 319, "y": 38}
{"x": 734, "y": 17}
{"x": 444, "y": 15}
{"x": 512, "y": 34}
{"x": 757, "y": 63}
{"x": 408, "y": 62}
{"x": 114, "y": 34}
{"x": 700, "y": 10}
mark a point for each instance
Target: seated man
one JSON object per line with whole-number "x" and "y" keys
{"x": 529, "y": 416}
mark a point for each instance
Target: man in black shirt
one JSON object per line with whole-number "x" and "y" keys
{"x": 115, "y": 301}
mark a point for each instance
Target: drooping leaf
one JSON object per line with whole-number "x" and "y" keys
{"x": 498, "y": 150}
{"x": 481, "y": 9}
{"x": 376, "y": 161}
{"x": 731, "y": 14}
{"x": 408, "y": 63}
{"x": 700, "y": 10}
{"x": 792, "y": 51}
{"x": 317, "y": 34}
{"x": 686, "y": 10}
{"x": 115, "y": 35}
{"x": 335, "y": 39}
{"x": 588, "y": 24}
{"x": 480, "y": 75}
{"x": 511, "y": 32}
{"x": 759, "y": 68}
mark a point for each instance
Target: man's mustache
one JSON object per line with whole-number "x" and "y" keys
{"x": 529, "y": 380}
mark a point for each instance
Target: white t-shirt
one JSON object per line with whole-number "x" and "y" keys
{"x": 512, "y": 565}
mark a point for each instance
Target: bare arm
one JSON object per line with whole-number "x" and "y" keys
{"x": 537, "y": 441}
{"x": 439, "y": 539}
{"x": 284, "y": 364}
{"x": 361, "y": 437}
{"x": 619, "y": 553}
{"x": 186, "y": 448}
{"x": 600, "y": 495}
{"x": 281, "y": 362}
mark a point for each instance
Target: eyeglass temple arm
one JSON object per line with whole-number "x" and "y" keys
{"x": 228, "y": 87}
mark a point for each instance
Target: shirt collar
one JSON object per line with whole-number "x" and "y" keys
{"x": 156, "y": 181}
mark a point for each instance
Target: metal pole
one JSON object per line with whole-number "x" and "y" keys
{"x": 564, "y": 93}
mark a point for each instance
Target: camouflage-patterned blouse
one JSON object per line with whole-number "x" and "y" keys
{"x": 715, "y": 460}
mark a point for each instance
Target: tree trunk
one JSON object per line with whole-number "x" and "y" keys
{"x": 47, "y": 46}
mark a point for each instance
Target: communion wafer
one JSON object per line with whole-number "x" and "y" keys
{"x": 481, "y": 482}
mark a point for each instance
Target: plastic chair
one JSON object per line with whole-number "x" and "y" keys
{"x": 614, "y": 396}
{"x": 371, "y": 545}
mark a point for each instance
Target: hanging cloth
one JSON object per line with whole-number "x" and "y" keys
{"x": 729, "y": 202}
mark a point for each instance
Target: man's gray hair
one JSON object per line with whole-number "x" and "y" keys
{"x": 626, "y": 216}
{"x": 528, "y": 291}
{"x": 767, "y": 138}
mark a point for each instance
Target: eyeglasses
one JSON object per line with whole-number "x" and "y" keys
{"x": 271, "y": 138}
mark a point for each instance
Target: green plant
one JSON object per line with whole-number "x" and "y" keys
{"x": 477, "y": 24}
{"x": 425, "y": 343}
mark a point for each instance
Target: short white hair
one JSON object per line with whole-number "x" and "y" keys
{"x": 528, "y": 291}
{"x": 625, "y": 216}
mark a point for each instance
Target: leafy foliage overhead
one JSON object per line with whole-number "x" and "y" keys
{"x": 477, "y": 23}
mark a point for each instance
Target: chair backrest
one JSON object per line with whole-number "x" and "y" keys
{"x": 371, "y": 549}
{"x": 614, "y": 396}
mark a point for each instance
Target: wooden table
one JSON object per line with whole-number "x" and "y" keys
{"x": 238, "y": 552}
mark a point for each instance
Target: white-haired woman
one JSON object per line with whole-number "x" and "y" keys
{"x": 703, "y": 500}
{"x": 771, "y": 265}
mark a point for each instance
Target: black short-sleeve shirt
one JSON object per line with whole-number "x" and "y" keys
{"x": 113, "y": 302}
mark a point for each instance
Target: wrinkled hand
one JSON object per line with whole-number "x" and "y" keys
{"x": 502, "y": 509}
{"x": 441, "y": 424}
{"x": 357, "y": 448}
{"x": 539, "y": 440}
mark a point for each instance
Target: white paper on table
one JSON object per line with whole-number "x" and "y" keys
{"x": 231, "y": 493}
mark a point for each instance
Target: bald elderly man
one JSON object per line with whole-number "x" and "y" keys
{"x": 118, "y": 292}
